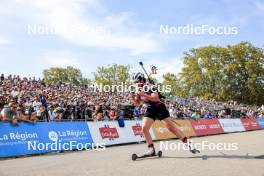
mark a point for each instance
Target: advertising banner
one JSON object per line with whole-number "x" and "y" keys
{"x": 106, "y": 132}
{"x": 43, "y": 137}
{"x": 199, "y": 127}
{"x": 231, "y": 125}
{"x": 134, "y": 130}
{"x": 161, "y": 132}
{"x": 261, "y": 122}
{"x": 213, "y": 126}
{"x": 250, "y": 124}
{"x": 110, "y": 133}
{"x": 186, "y": 127}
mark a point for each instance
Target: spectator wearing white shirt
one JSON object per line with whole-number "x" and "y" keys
{"x": 51, "y": 113}
{"x": 36, "y": 104}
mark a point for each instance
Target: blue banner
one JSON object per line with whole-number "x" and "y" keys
{"x": 43, "y": 137}
{"x": 261, "y": 122}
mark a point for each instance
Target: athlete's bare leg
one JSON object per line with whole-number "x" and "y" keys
{"x": 146, "y": 125}
{"x": 172, "y": 127}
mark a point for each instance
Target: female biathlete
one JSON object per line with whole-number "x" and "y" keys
{"x": 156, "y": 110}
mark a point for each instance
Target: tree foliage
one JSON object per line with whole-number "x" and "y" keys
{"x": 222, "y": 73}
{"x": 68, "y": 75}
{"x": 112, "y": 74}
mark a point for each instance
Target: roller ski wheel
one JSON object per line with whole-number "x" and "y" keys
{"x": 195, "y": 151}
{"x": 159, "y": 154}
{"x": 135, "y": 156}
{"x": 192, "y": 149}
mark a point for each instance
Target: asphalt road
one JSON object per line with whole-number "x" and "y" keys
{"x": 246, "y": 158}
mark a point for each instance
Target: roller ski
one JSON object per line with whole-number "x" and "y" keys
{"x": 190, "y": 147}
{"x": 194, "y": 151}
{"x": 150, "y": 153}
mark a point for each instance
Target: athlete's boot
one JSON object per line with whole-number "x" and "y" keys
{"x": 190, "y": 146}
{"x": 150, "y": 151}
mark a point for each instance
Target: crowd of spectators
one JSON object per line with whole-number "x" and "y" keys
{"x": 195, "y": 108}
{"x": 30, "y": 100}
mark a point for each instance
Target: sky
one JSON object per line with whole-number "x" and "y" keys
{"x": 38, "y": 34}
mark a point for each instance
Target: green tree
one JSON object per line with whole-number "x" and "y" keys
{"x": 224, "y": 73}
{"x": 69, "y": 75}
{"x": 112, "y": 74}
{"x": 244, "y": 70}
{"x": 170, "y": 79}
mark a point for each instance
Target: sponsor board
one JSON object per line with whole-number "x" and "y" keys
{"x": 186, "y": 127}
{"x": 14, "y": 140}
{"x": 213, "y": 126}
{"x": 206, "y": 126}
{"x": 250, "y": 124}
{"x": 110, "y": 133}
{"x": 261, "y": 122}
{"x": 137, "y": 130}
{"x": 231, "y": 125}
{"x": 199, "y": 127}
{"x": 134, "y": 129}
{"x": 106, "y": 132}
{"x": 42, "y": 137}
{"x": 161, "y": 132}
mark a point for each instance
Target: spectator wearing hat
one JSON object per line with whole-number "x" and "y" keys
{"x": 58, "y": 113}
{"x": 9, "y": 113}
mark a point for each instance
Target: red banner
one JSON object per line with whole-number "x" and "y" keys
{"x": 107, "y": 132}
{"x": 199, "y": 127}
{"x": 213, "y": 126}
{"x": 206, "y": 126}
{"x": 250, "y": 124}
{"x": 137, "y": 130}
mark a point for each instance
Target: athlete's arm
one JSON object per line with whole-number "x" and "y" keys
{"x": 135, "y": 99}
{"x": 152, "y": 97}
